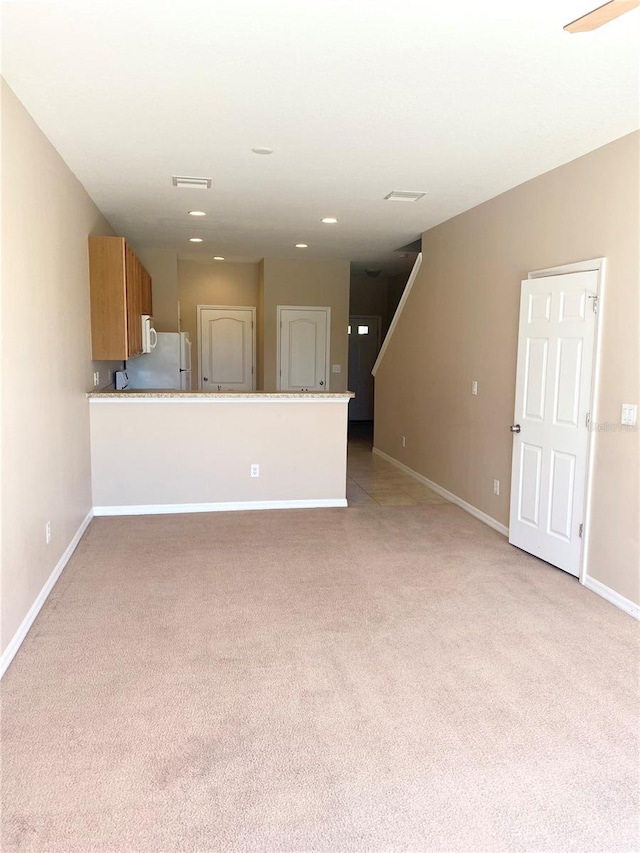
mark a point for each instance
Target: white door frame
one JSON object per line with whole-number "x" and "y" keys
{"x": 199, "y": 310}
{"x": 596, "y": 265}
{"x": 279, "y": 310}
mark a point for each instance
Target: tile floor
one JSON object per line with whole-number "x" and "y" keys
{"x": 372, "y": 481}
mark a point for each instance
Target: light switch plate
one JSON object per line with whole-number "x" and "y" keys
{"x": 335, "y": 368}
{"x": 629, "y": 415}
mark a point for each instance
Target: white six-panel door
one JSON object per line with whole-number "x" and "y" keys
{"x": 304, "y": 348}
{"x": 553, "y": 402}
{"x": 227, "y": 347}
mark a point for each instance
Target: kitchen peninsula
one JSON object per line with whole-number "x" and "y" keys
{"x": 202, "y": 451}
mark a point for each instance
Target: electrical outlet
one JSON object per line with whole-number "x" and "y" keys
{"x": 496, "y": 487}
{"x": 96, "y": 378}
{"x": 474, "y": 388}
{"x": 255, "y": 470}
{"x": 47, "y": 532}
{"x": 404, "y": 441}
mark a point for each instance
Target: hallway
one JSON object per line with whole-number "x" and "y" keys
{"x": 372, "y": 481}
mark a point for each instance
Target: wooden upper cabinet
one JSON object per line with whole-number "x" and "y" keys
{"x": 147, "y": 305}
{"x": 134, "y": 302}
{"x": 120, "y": 294}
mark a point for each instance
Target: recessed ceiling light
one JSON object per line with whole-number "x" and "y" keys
{"x": 195, "y": 239}
{"x": 329, "y": 220}
{"x": 197, "y": 213}
{"x": 191, "y": 183}
{"x": 262, "y": 150}
{"x": 403, "y": 195}
{"x": 218, "y": 258}
{"x": 302, "y": 245}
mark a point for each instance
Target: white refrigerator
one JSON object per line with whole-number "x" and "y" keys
{"x": 166, "y": 366}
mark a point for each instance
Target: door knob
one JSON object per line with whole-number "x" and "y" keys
{"x": 515, "y": 428}
{"x": 322, "y": 381}
{"x": 205, "y": 378}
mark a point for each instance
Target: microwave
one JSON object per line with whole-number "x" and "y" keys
{"x": 149, "y": 334}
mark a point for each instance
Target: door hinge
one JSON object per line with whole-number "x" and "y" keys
{"x": 587, "y": 420}
{"x": 581, "y": 530}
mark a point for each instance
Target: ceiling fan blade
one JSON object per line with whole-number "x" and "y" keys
{"x": 601, "y": 15}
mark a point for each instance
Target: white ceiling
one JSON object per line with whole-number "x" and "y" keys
{"x": 356, "y": 97}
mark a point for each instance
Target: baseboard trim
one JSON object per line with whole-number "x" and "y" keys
{"x": 612, "y": 596}
{"x": 454, "y": 499}
{"x": 224, "y": 506}
{"x": 224, "y": 397}
{"x": 18, "y": 638}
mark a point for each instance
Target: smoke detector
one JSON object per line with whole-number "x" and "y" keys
{"x": 192, "y": 183}
{"x": 401, "y": 195}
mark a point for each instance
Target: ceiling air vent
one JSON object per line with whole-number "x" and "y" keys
{"x": 192, "y": 183}
{"x": 398, "y": 195}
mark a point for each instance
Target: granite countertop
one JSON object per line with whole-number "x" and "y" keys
{"x": 146, "y": 393}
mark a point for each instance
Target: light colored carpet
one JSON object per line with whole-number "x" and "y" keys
{"x": 372, "y": 679}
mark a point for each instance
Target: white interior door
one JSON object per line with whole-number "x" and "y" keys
{"x": 553, "y": 403}
{"x": 227, "y": 348}
{"x": 304, "y": 348}
{"x": 364, "y": 345}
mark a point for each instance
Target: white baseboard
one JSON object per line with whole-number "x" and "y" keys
{"x": 599, "y": 588}
{"x": 612, "y": 596}
{"x": 454, "y": 499}
{"x": 225, "y": 506}
{"x": 18, "y": 638}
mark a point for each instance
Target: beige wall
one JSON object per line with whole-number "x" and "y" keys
{"x": 369, "y": 297}
{"x": 460, "y": 324}
{"x": 167, "y": 452}
{"x": 307, "y": 282}
{"x": 213, "y": 283}
{"x": 162, "y": 266}
{"x": 46, "y": 355}
{"x": 376, "y": 296}
{"x": 397, "y": 284}
{"x": 263, "y": 286}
